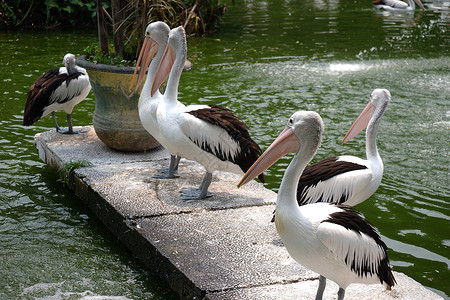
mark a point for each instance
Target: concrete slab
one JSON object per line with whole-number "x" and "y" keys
{"x": 223, "y": 247}
{"x": 86, "y": 146}
{"x": 406, "y": 289}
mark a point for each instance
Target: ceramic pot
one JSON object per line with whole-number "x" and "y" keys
{"x": 116, "y": 117}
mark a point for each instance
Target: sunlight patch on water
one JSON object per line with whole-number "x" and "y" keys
{"x": 411, "y": 231}
{"x": 416, "y": 251}
{"x": 399, "y": 263}
{"x": 349, "y": 67}
{"x": 54, "y": 292}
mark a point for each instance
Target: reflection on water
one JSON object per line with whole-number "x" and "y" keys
{"x": 271, "y": 59}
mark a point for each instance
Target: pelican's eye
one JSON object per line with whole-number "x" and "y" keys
{"x": 290, "y": 122}
{"x": 147, "y": 33}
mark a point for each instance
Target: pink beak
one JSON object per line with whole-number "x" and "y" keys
{"x": 285, "y": 143}
{"x": 420, "y": 4}
{"x": 148, "y": 51}
{"x": 164, "y": 68}
{"x": 361, "y": 122}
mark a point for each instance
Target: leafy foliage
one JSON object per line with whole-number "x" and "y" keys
{"x": 47, "y": 13}
{"x": 94, "y": 54}
{"x": 196, "y": 16}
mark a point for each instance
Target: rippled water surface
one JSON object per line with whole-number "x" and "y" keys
{"x": 270, "y": 60}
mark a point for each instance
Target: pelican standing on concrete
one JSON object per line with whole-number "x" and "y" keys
{"x": 397, "y": 5}
{"x": 208, "y": 134}
{"x": 334, "y": 241}
{"x": 155, "y": 42}
{"x": 348, "y": 179}
{"x": 57, "y": 89}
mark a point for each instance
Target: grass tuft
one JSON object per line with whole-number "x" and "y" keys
{"x": 68, "y": 167}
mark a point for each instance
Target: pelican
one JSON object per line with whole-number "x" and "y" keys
{"x": 348, "y": 179}
{"x": 208, "y": 134}
{"x": 155, "y": 42}
{"x": 57, "y": 89}
{"x": 332, "y": 240}
{"x": 397, "y": 5}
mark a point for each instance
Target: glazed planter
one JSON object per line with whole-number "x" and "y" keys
{"x": 116, "y": 117}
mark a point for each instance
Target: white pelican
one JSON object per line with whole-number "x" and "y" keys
{"x": 57, "y": 89}
{"x": 155, "y": 42}
{"x": 397, "y": 5}
{"x": 208, "y": 134}
{"x": 332, "y": 240}
{"x": 348, "y": 179}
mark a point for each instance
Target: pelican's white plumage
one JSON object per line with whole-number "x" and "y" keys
{"x": 57, "y": 89}
{"x": 334, "y": 241}
{"x": 208, "y": 134}
{"x": 397, "y": 5}
{"x": 155, "y": 42}
{"x": 348, "y": 179}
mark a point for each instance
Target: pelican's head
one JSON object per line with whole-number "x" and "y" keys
{"x": 156, "y": 36}
{"x": 69, "y": 63}
{"x": 177, "y": 40}
{"x": 69, "y": 60}
{"x": 380, "y": 97}
{"x": 303, "y": 133}
{"x": 379, "y": 100}
{"x": 176, "y": 49}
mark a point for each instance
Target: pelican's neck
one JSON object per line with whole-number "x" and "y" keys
{"x": 171, "y": 93}
{"x": 73, "y": 68}
{"x": 371, "y": 140}
{"x": 412, "y": 5}
{"x": 146, "y": 90}
{"x": 287, "y": 194}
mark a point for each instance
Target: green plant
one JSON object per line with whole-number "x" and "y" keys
{"x": 95, "y": 55}
{"x": 129, "y": 19}
{"x": 65, "y": 170}
{"x": 47, "y": 13}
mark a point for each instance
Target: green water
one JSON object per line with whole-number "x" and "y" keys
{"x": 270, "y": 60}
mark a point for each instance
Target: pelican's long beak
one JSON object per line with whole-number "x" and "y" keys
{"x": 165, "y": 65}
{"x": 361, "y": 122}
{"x": 285, "y": 143}
{"x": 148, "y": 51}
{"x": 420, "y": 4}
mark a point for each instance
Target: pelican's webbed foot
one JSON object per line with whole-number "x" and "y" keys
{"x": 171, "y": 171}
{"x": 200, "y": 192}
{"x": 194, "y": 194}
{"x": 65, "y": 130}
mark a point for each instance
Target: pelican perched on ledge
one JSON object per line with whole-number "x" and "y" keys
{"x": 155, "y": 42}
{"x": 397, "y": 5}
{"x": 57, "y": 89}
{"x": 334, "y": 241}
{"x": 208, "y": 134}
{"x": 348, "y": 179}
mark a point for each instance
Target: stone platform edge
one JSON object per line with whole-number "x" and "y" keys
{"x": 141, "y": 231}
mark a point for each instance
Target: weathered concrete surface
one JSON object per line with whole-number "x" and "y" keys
{"x": 407, "y": 289}
{"x": 223, "y": 247}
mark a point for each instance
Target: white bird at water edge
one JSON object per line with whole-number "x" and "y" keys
{"x": 348, "y": 179}
{"x": 208, "y": 134}
{"x": 397, "y": 5}
{"x": 57, "y": 89}
{"x": 155, "y": 42}
{"x": 332, "y": 240}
